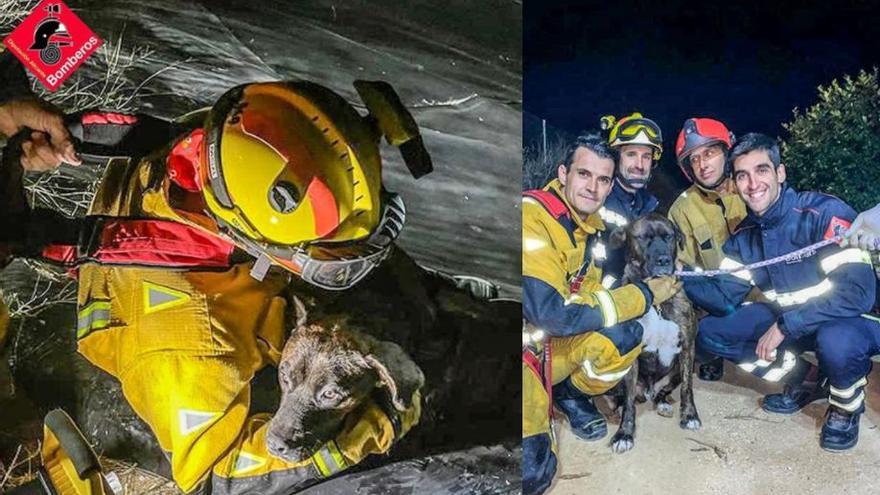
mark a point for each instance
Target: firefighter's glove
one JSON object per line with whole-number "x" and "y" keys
{"x": 663, "y": 288}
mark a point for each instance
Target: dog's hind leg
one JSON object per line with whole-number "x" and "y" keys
{"x": 690, "y": 420}
{"x": 623, "y": 441}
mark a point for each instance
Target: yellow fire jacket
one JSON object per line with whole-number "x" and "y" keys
{"x": 706, "y": 218}
{"x": 185, "y": 345}
{"x": 559, "y": 248}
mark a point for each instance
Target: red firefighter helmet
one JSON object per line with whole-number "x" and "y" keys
{"x": 698, "y": 132}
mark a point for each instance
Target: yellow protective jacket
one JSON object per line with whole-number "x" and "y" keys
{"x": 558, "y": 248}
{"x": 706, "y": 217}
{"x": 185, "y": 345}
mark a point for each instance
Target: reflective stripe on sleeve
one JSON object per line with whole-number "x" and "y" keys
{"x": 794, "y": 298}
{"x": 93, "y": 316}
{"x": 608, "y": 281}
{"x": 851, "y": 255}
{"x": 609, "y": 311}
{"x": 729, "y": 264}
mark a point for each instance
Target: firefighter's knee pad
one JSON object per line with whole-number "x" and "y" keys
{"x": 70, "y": 466}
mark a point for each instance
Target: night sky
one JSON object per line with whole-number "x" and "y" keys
{"x": 747, "y": 64}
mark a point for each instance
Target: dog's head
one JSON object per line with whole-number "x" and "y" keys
{"x": 650, "y": 243}
{"x": 326, "y": 372}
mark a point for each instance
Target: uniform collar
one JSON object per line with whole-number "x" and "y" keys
{"x": 787, "y": 199}
{"x": 638, "y": 202}
{"x": 726, "y": 188}
{"x": 590, "y": 225}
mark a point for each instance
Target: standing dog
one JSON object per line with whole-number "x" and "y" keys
{"x": 669, "y": 331}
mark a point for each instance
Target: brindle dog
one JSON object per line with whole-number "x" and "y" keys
{"x": 650, "y": 250}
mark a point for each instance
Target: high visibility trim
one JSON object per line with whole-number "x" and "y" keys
{"x": 608, "y": 281}
{"x": 788, "y": 363}
{"x": 794, "y": 298}
{"x": 760, "y": 363}
{"x": 604, "y": 377}
{"x": 599, "y": 251}
{"x": 852, "y": 406}
{"x": 93, "y": 316}
{"x": 573, "y": 299}
{"x": 533, "y": 337}
{"x": 612, "y": 217}
{"x": 329, "y": 460}
{"x": 851, "y": 255}
{"x": 246, "y": 463}
{"x": 191, "y": 421}
{"x": 159, "y": 298}
{"x": 729, "y": 264}
{"x": 531, "y": 244}
{"x": 848, "y": 392}
{"x": 609, "y": 311}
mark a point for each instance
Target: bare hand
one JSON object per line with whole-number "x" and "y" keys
{"x": 769, "y": 342}
{"x": 49, "y": 143}
{"x": 865, "y": 230}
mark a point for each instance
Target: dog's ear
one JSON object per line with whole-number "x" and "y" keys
{"x": 397, "y": 371}
{"x": 617, "y": 239}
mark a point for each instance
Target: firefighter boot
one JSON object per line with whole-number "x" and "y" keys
{"x": 804, "y": 387}
{"x": 841, "y": 429}
{"x": 586, "y": 421}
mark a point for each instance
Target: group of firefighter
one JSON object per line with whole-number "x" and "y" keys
{"x": 582, "y": 331}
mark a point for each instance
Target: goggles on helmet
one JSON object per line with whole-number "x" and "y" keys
{"x": 330, "y": 266}
{"x": 635, "y": 129}
{"x": 631, "y": 129}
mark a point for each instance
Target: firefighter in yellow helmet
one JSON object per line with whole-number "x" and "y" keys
{"x": 178, "y": 297}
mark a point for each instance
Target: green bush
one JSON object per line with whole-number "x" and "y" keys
{"x": 834, "y": 147}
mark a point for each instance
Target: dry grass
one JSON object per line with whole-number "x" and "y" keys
{"x": 23, "y": 465}
{"x": 12, "y": 12}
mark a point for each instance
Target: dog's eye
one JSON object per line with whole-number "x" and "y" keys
{"x": 330, "y": 395}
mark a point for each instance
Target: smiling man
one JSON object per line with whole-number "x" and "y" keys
{"x": 578, "y": 336}
{"x": 816, "y": 303}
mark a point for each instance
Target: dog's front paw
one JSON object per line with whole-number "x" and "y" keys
{"x": 622, "y": 442}
{"x": 664, "y": 409}
{"x": 690, "y": 422}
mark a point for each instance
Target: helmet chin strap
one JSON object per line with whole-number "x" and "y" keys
{"x": 712, "y": 187}
{"x": 633, "y": 184}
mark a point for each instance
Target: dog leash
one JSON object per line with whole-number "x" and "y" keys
{"x": 791, "y": 257}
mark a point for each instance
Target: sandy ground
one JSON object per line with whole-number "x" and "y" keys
{"x": 739, "y": 450}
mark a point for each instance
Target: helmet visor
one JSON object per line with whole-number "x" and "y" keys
{"x": 334, "y": 266}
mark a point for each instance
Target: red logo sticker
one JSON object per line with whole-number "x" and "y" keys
{"x": 52, "y": 42}
{"x": 837, "y": 226}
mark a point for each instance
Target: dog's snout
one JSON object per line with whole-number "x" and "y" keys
{"x": 664, "y": 260}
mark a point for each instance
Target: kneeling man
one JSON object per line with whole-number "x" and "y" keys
{"x": 815, "y": 302}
